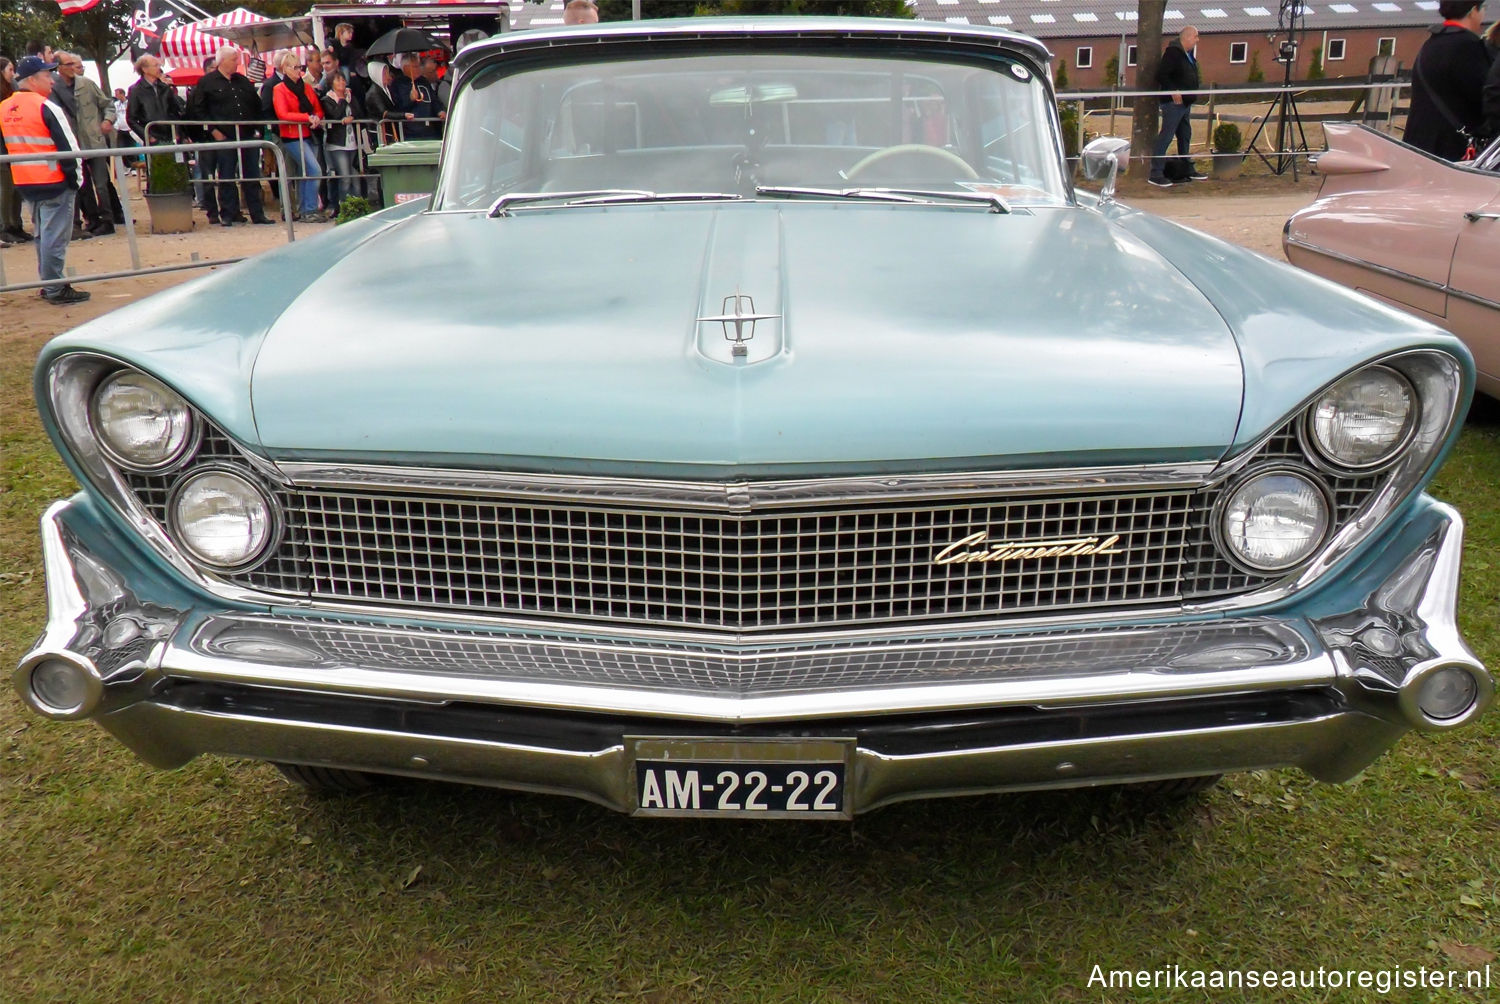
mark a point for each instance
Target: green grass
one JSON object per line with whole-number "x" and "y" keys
{"x": 220, "y": 882}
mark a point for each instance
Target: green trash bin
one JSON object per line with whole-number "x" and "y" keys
{"x": 408, "y": 170}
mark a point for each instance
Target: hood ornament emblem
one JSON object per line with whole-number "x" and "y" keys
{"x": 743, "y": 318}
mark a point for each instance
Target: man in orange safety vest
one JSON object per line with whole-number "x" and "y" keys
{"x": 32, "y": 125}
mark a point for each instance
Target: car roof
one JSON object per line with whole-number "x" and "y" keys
{"x": 960, "y": 38}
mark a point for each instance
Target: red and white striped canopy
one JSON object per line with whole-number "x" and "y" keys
{"x": 184, "y": 47}
{"x": 187, "y": 42}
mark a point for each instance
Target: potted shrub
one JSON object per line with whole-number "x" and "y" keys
{"x": 1227, "y": 156}
{"x": 167, "y": 195}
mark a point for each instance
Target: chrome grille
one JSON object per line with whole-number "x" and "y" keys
{"x": 788, "y": 569}
{"x": 795, "y": 569}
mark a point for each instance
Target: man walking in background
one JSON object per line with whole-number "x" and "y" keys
{"x": 1178, "y": 73}
{"x": 33, "y": 125}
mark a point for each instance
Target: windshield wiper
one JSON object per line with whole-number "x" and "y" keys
{"x": 601, "y": 196}
{"x": 917, "y": 195}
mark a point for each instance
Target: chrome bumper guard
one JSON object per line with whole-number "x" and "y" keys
{"x": 1326, "y": 684}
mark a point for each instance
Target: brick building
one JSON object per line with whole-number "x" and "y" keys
{"x": 1237, "y": 41}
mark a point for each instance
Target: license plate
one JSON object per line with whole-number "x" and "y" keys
{"x": 742, "y": 778}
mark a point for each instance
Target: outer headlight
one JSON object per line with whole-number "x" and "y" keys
{"x": 1275, "y": 520}
{"x": 140, "y": 423}
{"x": 1365, "y": 419}
{"x": 221, "y": 519}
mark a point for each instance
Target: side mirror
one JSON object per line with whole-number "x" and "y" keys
{"x": 1104, "y": 159}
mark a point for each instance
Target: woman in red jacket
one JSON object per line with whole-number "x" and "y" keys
{"x": 298, "y": 109}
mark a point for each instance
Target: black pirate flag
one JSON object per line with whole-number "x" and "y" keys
{"x": 149, "y": 20}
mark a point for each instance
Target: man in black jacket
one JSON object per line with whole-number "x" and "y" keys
{"x": 151, "y": 99}
{"x": 1447, "y": 80}
{"x": 226, "y": 97}
{"x": 1178, "y": 73}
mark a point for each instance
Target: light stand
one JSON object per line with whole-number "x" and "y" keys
{"x": 1290, "y": 22}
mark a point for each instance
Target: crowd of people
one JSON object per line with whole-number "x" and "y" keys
{"x": 322, "y": 112}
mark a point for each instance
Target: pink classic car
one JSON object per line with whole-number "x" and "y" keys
{"x": 1412, "y": 230}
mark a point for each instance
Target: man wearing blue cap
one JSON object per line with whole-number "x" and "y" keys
{"x": 32, "y": 125}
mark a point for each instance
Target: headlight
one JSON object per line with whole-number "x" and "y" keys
{"x": 1365, "y": 419}
{"x": 221, "y": 519}
{"x": 1275, "y": 520}
{"x": 141, "y": 424}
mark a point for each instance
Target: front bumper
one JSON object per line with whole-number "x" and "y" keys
{"x": 1325, "y": 683}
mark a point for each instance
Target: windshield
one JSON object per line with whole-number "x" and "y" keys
{"x": 754, "y": 126}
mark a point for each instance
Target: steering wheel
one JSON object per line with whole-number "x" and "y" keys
{"x": 879, "y": 156}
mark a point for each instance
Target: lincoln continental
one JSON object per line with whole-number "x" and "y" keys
{"x": 757, "y": 422}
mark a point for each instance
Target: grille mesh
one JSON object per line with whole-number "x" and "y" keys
{"x": 793, "y": 569}
{"x": 745, "y": 573}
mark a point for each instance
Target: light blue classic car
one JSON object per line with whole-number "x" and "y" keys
{"x": 757, "y": 422}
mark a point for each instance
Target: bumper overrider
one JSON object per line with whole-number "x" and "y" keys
{"x": 1325, "y": 680}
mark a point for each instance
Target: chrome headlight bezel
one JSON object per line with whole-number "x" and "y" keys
{"x": 1324, "y": 458}
{"x": 275, "y": 520}
{"x": 185, "y": 449}
{"x": 1222, "y": 537}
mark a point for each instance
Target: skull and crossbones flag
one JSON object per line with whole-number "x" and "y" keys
{"x": 149, "y": 20}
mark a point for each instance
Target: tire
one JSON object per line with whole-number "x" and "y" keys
{"x": 1174, "y": 788}
{"x": 329, "y": 780}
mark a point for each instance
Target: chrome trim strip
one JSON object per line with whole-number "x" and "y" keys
{"x": 1428, "y": 284}
{"x": 1103, "y": 686}
{"x": 1407, "y": 277}
{"x": 742, "y": 495}
{"x": 1473, "y": 298}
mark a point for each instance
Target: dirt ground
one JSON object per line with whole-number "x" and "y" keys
{"x": 1249, "y": 211}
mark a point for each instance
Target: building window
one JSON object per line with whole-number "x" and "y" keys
{"x": 1385, "y": 46}
{"x": 1239, "y": 52}
{"x": 1335, "y": 49}
{"x": 1130, "y": 52}
{"x": 1085, "y": 57}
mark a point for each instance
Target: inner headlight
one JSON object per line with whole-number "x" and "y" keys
{"x": 1275, "y": 520}
{"x": 1365, "y": 419}
{"x": 141, "y": 424}
{"x": 221, "y": 519}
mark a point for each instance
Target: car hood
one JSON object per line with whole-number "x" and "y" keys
{"x": 877, "y": 337}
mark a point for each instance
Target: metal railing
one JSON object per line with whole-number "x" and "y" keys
{"x": 1378, "y": 104}
{"x": 117, "y": 170}
{"x": 385, "y": 132}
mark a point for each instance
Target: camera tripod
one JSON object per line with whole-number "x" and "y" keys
{"x": 1290, "y": 18}
{"x": 1288, "y": 127}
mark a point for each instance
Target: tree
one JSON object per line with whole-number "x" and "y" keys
{"x": 22, "y": 22}
{"x": 96, "y": 34}
{"x": 1060, "y": 78}
{"x": 1315, "y": 69}
{"x": 1146, "y": 110}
